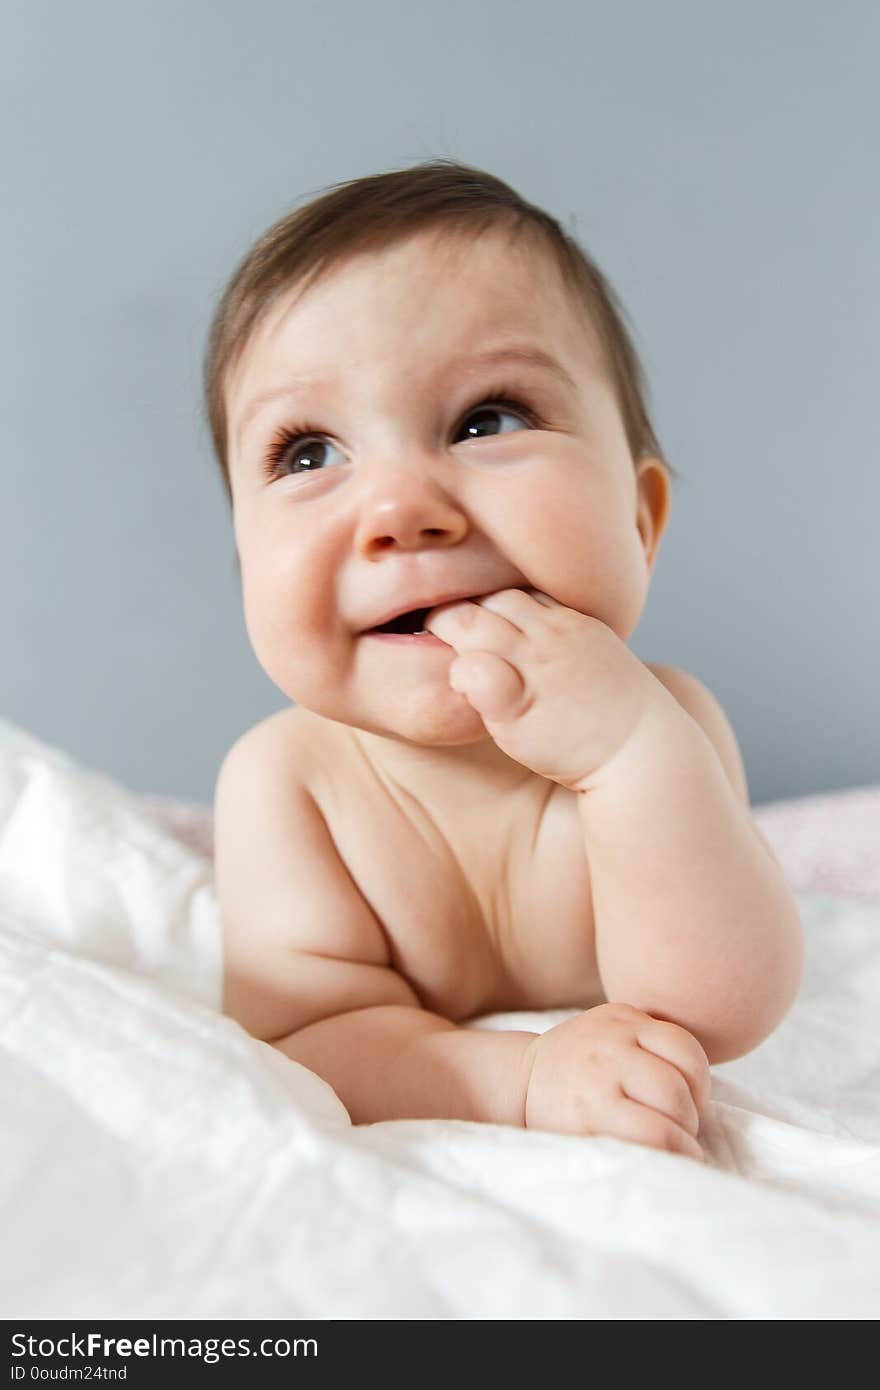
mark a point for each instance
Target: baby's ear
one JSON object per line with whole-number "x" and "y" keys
{"x": 652, "y": 503}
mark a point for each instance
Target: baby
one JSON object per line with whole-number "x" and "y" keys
{"x": 448, "y": 501}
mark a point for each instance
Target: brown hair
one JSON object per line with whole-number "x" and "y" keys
{"x": 369, "y": 214}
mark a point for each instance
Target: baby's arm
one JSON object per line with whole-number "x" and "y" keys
{"x": 307, "y": 964}
{"x": 694, "y": 920}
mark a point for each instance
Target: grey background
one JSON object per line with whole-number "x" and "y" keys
{"x": 718, "y": 160}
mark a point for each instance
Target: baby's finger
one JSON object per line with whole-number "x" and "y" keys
{"x": 638, "y": 1124}
{"x": 654, "y": 1082}
{"x": 517, "y": 606}
{"x": 470, "y": 627}
{"x": 678, "y": 1046}
{"x": 494, "y": 687}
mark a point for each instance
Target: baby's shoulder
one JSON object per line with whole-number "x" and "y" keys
{"x": 690, "y": 693}
{"x": 287, "y": 743}
{"x": 697, "y": 700}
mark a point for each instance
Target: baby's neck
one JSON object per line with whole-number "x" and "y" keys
{"x": 462, "y": 777}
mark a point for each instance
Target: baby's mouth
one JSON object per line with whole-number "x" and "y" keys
{"x": 411, "y": 622}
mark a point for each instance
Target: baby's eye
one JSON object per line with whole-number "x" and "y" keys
{"x": 482, "y": 416}
{"x": 294, "y": 453}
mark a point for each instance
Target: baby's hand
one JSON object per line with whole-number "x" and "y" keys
{"x": 556, "y": 689}
{"x": 616, "y": 1071}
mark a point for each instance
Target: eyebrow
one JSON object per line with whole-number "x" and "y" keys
{"x": 530, "y": 356}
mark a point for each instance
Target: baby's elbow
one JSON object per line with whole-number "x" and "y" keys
{"x": 738, "y": 1040}
{"x": 770, "y": 1000}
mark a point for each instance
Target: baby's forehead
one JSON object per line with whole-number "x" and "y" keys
{"x": 438, "y": 296}
{"x": 444, "y": 268}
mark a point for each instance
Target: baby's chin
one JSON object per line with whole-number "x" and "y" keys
{"x": 443, "y": 724}
{"x": 431, "y": 720}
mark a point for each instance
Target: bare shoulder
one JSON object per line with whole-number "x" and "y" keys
{"x": 699, "y": 702}
{"x": 280, "y": 727}
{"x": 285, "y": 739}
{"x": 263, "y": 769}
{"x": 300, "y": 942}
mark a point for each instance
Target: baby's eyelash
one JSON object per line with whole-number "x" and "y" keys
{"x": 289, "y": 435}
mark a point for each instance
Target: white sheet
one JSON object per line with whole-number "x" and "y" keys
{"x": 158, "y": 1162}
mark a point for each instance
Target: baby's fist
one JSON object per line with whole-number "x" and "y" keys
{"x": 616, "y": 1071}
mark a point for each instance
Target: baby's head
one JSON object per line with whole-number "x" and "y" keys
{"x": 419, "y": 387}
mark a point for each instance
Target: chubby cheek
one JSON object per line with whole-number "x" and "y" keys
{"x": 623, "y": 585}
{"x": 587, "y": 553}
{"x": 287, "y": 634}
{"x": 267, "y": 636}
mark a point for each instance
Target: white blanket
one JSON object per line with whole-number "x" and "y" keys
{"x": 159, "y": 1163}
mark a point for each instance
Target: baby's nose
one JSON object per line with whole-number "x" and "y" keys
{"x": 408, "y": 514}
